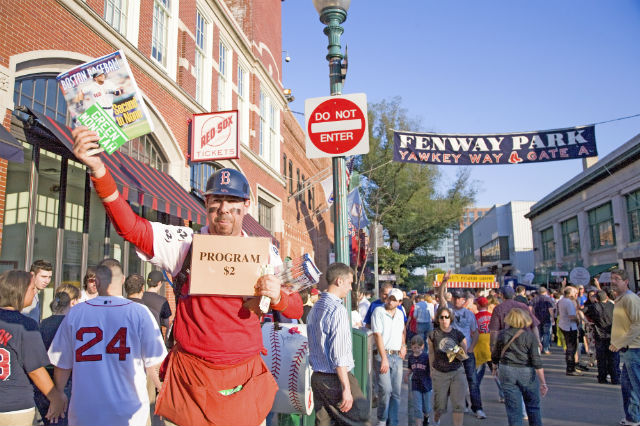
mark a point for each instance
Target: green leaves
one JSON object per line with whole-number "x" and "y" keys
{"x": 411, "y": 201}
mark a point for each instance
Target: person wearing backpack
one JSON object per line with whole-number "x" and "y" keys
{"x": 424, "y": 324}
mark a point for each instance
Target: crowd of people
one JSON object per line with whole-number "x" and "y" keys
{"x": 106, "y": 351}
{"x": 506, "y": 331}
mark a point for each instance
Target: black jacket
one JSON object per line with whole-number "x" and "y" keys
{"x": 523, "y": 352}
{"x": 601, "y": 314}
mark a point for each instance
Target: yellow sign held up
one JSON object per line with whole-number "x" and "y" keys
{"x": 468, "y": 278}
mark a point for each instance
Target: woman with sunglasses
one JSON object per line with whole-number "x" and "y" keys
{"x": 89, "y": 287}
{"x": 447, "y": 373}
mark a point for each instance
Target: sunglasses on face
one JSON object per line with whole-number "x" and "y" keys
{"x": 444, "y": 317}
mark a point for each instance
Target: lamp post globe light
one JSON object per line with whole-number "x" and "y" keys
{"x": 332, "y": 14}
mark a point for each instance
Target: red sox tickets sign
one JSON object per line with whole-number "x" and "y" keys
{"x": 214, "y": 136}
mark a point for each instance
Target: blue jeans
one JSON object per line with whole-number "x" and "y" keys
{"x": 473, "y": 382}
{"x": 544, "y": 330}
{"x": 480, "y": 373}
{"x": 389, "y": 387}
{"x": 421, "y": 403}
{"x": 520, "y": 383}
{"x": 423, "y": 330}
{"x": 630, "y": 381}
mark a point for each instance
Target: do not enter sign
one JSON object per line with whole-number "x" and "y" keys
{"x": 337, "y": 126}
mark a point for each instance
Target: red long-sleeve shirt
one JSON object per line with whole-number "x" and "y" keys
{"x": 215, "y": 328}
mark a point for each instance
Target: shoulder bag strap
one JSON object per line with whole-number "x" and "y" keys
{"x": 515, "y": 336}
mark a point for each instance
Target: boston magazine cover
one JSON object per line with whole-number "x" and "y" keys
{"x": 106, "y": 82}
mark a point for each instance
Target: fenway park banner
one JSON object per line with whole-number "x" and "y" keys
{"x": 507, "y": 148}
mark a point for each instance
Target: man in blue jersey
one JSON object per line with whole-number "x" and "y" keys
{"x": 385, "y": 289}
{"x": 337, "y": 396}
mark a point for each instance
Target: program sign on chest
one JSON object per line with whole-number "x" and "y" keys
{"x": 228, "y": 266}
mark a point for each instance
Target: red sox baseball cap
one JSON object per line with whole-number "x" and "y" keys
{"x": 228, "y": 182}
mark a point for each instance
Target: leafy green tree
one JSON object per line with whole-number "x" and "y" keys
{"x": 389, "y": 260}
{"x": 411, "y": 201}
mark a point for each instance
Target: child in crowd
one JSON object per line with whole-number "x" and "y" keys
{"x": 420, "y": 380}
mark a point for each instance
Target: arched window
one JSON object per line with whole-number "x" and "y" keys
{"x": 42, "y": 94}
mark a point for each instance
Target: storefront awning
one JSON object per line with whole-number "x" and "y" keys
{"x": 138, "y": 182}
{"x": 598, "y": 269}
{"x": 10, "y": 148}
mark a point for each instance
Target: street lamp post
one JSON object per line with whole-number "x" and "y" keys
{"x": 332, "y": 14}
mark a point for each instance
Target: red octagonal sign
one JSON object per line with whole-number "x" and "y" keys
{"x": 336, "y": 126}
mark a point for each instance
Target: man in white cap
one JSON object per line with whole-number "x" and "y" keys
{"x": 387, "y": 324}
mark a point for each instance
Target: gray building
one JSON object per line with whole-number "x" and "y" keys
{"x": 593, "y": 220}
{"x": 448, "y": 252}
{"x": 499, "y": 243}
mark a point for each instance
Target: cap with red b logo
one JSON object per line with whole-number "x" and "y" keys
{"x": 228, "y": 182}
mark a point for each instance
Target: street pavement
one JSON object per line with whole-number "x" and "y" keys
{"x": 571, "y": 401}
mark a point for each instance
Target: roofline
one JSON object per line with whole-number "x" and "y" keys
{"x": 616, "y": 160}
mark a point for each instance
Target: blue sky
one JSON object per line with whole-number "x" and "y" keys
{"x": 484, "y": 67}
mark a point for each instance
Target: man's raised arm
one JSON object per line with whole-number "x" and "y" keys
{"x": 127, "y": 224}
{"x": 442, "y": 291}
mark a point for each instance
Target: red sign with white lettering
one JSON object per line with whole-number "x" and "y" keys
{"x": 336, "y": 126}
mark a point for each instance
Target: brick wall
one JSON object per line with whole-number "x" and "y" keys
{"x": 306, "y": 230}
{"x": 45, "y": 25}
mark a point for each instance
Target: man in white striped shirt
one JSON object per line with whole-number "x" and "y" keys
{"x": 337, "y": 395}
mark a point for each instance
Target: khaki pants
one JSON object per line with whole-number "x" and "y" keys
{"x": 18, "y": 418}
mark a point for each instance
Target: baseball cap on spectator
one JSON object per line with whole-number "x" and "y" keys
{"x": 396, "y": 293}
{"x": 507, "y": 291}
{"x": 314, "y": 291}
{"x": 154, "y": 278}
{"x": 482, "y": 302}
{"x": 456, "y": 293}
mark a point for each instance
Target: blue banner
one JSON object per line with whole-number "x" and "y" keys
{"x": 507, "y": 148}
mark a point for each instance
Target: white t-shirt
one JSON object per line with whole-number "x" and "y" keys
{"x": 566, "y": 308}
{"x": 389, "y": 327}
{"x": 108, "y": 341}
{"x": 84, "y": 296}
{"x": 363, "y": 307}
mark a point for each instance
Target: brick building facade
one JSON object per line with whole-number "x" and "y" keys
{"x": 187, "y": 57}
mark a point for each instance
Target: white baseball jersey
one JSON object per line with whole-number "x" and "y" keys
{"x": 103, "y": 94}
{"x": 108, "y": 341}
{"x": 171, "y": 245}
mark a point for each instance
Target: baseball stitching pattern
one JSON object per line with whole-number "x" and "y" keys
{"x": 275, "y": 353}
{"x": 296, "y": 362}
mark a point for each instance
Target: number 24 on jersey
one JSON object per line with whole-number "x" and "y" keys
{"x": 117, "y": 345}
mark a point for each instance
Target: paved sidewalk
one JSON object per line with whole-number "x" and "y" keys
{"x": 571, "y": 401}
